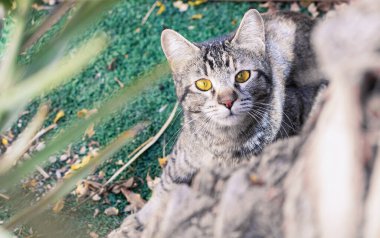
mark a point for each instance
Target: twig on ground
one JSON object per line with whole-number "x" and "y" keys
{"x": 42, "y": 132}
{"x": 42, "y": 172}
{"x": 121, "y": 85}
{"x": 139, "y": 147}
{"x": 147, "y": 146}
{"x": 148, "y": 13}
{"x": 4, "y": 196}
{"x": 137, "y": 152}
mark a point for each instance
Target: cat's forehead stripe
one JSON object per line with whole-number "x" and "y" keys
{"x": 216, "y": 55}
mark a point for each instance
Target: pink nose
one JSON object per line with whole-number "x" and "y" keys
{"x": 228, "y": 103}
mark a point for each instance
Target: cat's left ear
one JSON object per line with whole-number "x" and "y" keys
{"x": 251, "y": 31}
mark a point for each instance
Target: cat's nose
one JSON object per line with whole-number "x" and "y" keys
{"x": 227, "y": 99}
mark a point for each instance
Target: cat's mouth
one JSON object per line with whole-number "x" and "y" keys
{"x": 231, "y": 119}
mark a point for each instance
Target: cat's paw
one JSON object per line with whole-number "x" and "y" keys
{"x": 130, "y": 228}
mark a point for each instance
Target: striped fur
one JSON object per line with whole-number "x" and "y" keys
{"x": 272, "y": 104}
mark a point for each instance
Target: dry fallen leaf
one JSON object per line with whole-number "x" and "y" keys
{"x": 101, "y": 174}
{"x": 196, "y": 2}
{"x": 305, "y": 3}
{"x": 197, "y": 16}
{"x": 182, "y": 7}
{"x": 161, "y": 8}
{"x": 163, "y": 161}
{"x": 90, "y": 132}
{"x": 82, "y": 113}
{"x": 129, "y": 183}
{"x": 93, "y": 235}
{"x": 112, "y": 65}
{"x": 312, "y": 8}
{"x": 30, "y": 184}
{"x": 58, "y": 206}
{"x": 271, "y": 6}
{"x": 152, "y": 182}
{"x": 136, "y": 201}
{"x": 111, "y": 211}
{"x": 4, "y": 141}
{"x": 96, "y": 198}
{"x": 58, "y": 116}
{"x": 96, "y": 212}
{"x": 128, "y": 208}
{"x": 324, "y": 6}
{"x": 82, "y": 189}
{"x": 294, "y": 7}
{"x": 85, "y": 113}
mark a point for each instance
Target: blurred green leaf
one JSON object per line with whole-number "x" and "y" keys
{"x": 8, "y": 61}
{"x": 7, "y": 4}
{"x": 23, "y": 142}
{"x": 53, "y": 76}
{"x": 7, "y": 119}
{"x": 66, "y": 186}
{"x": 77, "y": 129}
{"x": 86, "y": 13}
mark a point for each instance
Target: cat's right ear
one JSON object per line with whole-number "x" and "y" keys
{"x": 177, "y": 49}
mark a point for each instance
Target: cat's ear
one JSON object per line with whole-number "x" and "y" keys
{"x": 251, "y": 32}
{"x": 177, "y": 49}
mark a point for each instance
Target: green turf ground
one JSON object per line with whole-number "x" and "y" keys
{"x": 135, "y": 49}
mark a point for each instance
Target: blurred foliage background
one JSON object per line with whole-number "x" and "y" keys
{"x": 124, "y": 58}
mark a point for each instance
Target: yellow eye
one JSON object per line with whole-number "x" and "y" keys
{"x": 242, "y": 76}
{"x": 203, "y": 84}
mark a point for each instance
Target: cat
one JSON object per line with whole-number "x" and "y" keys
{"x": 239, "y": 93}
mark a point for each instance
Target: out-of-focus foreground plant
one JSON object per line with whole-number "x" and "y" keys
{"x": 50, "y": 67}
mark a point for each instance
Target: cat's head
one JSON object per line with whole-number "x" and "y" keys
{"x": 226, "y": 80}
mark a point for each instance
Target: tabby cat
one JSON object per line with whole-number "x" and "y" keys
{"x": 239, "y": 93}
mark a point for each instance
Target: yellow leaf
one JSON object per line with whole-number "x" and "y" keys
{"x": 196, "y": 2}
{"x": 161, "y": 8}
{"x": 59, "y": 115}
{"x": 197, "y": 17}
{"x": 58, "y": 206}
{"x": 82, "y": 113}
{"x": 83, "y": 163}
{"x": 85, "y": 113}
{"x": 111, "y": 211}
{"x": 163, "y": 161}
{"x": 101, "y": 174}
{"x": 4, "y": 141}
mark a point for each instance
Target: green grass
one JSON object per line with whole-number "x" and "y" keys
{"x": 134, "y": 51}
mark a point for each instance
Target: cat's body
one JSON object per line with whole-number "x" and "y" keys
{"x": 280, "y": 100}
{"x": 239, "y": 93}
